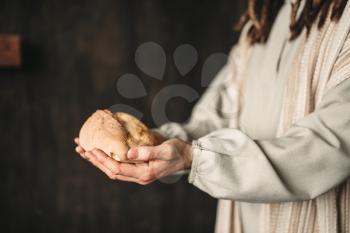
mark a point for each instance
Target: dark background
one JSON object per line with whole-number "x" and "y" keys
{"x": 73, "y": 53}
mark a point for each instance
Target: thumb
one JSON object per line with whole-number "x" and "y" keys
{"x": 146, "y": 153}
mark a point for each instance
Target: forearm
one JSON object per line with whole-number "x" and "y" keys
{"x": 310, "y": 159}
{"x": 245, "y": 170}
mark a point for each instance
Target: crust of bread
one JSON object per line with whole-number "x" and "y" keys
{"x": 114, "y": 133}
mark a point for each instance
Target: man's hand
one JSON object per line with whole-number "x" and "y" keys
{"x": 152, "y": 162}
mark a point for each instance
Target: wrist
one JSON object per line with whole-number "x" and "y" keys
{"x": 187, "y": 153}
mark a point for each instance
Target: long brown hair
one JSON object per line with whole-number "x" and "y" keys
{"x": 262, "y": 14}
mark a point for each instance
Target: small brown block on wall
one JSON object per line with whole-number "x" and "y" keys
{"x": 10, "y": 51}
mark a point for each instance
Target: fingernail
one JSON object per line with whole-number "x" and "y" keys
{"x": 77, "y": 150}
{"x": 132, "y": 153}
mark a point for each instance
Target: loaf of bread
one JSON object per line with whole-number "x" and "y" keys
{"x": 114, "y": 133}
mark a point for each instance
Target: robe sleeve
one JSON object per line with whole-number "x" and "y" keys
{"x": 311, "y": 158}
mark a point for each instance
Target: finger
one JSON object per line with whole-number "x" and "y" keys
{"x": 140, "y": 173}
{"x": 93, "y": 159}
{"x": 106, "y": 161}
{"x": 80, "y": 151}
{"x": 79, "y": 148}
{"x": 147, "y": 153}
{"x": 76, "y": 140}
{"x": 125, "y": 169}
{"x": 162, "y": 168}
{"x": 118, "y": 168}
{"x": 134, "y": 170}
{"x": 130, "y": 179}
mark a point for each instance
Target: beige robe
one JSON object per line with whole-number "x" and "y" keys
{"x": 273, "y": 127}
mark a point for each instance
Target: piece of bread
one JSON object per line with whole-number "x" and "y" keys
{"x": 114, "y": 133}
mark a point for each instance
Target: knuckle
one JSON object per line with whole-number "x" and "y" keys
{"x": 171, "y": 150}
{"x": 145, "y": 179}
{"x": 148, "y": 176}
{"x": 151, "y": 173}
{"x": 142, "y": 183}
{"x": 145, "y": 153}
{"x": 113, "y": 177}
{"x": 168, "y": 148}
{"x": 115, "y": 172}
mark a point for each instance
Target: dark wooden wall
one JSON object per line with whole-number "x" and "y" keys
{"x": 73, "y": 53}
